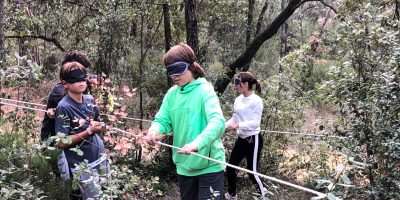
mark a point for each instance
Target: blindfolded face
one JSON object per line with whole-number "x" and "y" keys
{"x": 177, "y": 68}
{"x": 237, "y": 80}
{"x": 75, "y": 76}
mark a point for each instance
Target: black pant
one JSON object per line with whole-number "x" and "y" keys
{"x": 245, "y": 148}
{"x": 198, "y": 187}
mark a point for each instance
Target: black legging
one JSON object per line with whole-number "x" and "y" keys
{"x": 245, "y": 148}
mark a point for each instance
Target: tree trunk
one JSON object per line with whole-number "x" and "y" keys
{"x": 22, "y": 49}
{"x": 250, "y": 12}
{"x": 261, "y": 17}
{"x": 1, "y": 47}
{"x": 249, "y": 21}
{"x": 1, "y": 31}
{"x": 167, "y": 34}
{"x": 284, "y": 35}
{"x": 255, "y": 45}
{"x": 167, "y": 27}
{"x": 397, "y": 9}
{"x": 192, "y": 38}
{"x": 141, "y": 66}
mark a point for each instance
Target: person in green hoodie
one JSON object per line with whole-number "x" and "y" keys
{"x": 191, "y": 110}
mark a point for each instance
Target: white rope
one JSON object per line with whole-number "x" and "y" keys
{"x": 130, "y": 118}
{"x": 207, "y": 158}
{"x": 136, "y": 119}
{"x": 304, "y": 134}
{"x": 24, "y": 102}
{"x": 19, "y": 106}
{"x": 236, "y": 167}
{"x": 146, "y": 120}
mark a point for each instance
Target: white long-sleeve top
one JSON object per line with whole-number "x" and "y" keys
{"x": 247, "y": 114}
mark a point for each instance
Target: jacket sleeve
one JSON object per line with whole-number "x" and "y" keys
{"x": 162, "y": 122}
{"x": 48, "y": 124}
{"x": 253, "y": 122}
{"x": 215, "y": 121}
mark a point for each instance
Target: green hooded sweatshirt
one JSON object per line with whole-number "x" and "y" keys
{"x": 195, "y": 117}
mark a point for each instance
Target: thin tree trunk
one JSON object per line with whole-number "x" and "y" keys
{"x": 1, "y": 31}
{"x": 282, "y": 53}
{"x": 1, "y": 46}
{"x": 397, "y": 9}
{"x": 167, "y": 27}
{"x": 144, "y": 48}
{"x": 192, "y": 38}
{"x": 249, "y": 21}
{"x": 141, "y": 63}
{"x": 250, "y": 12}
{"x": 168, "y": 41}
{"x": 167, "y": 33}
{"x": 261, "y": 17}
{"x": 284, "y": 35}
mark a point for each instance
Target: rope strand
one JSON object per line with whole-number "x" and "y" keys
{"x": 24, "y": 102}
{"x": 236, "y": 167}
{"x": 210, "y": 159}
{"x": 146, "y": 120}
{"x": 19, "y": 106}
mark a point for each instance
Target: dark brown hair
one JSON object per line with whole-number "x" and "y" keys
{"x": 249, "y": 78}
{"x": 68, "y": 67}
{"x": 76, "y": 56}
{"x": 183, "y": 52}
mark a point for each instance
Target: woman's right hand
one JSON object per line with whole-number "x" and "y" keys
{"x": 153, "y": 137}
{"x": 232, "y": 126}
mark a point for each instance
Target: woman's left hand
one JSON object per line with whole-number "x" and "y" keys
{"x": 232, "y": 126}
{"x": 187, "y": 149}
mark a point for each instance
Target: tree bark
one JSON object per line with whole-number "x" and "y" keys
{"x": 248, "y": 29}
{"x": 255, "y": 45}
{"x": 167, "y": 34}
{"x": 284, "y": 35}
{"x": 261, "y": 17}
{"x": 249, "y": 21}
{"x": 167, "y": 27}
{"x": 141, "y": 66}
{"x": 192, "y": 38}
{"x": 397, "y": 9}
{"x": 1, "y": 46}
{"x": 1, "y": 31}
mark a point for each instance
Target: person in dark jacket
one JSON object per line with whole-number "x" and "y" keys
{"x": 57, "y": 93}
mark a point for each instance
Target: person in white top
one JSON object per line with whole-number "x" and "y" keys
{"x": 245, "y": 120}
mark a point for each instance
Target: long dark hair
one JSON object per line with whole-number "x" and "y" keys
{"x": 183, "y": 52}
